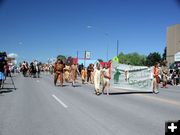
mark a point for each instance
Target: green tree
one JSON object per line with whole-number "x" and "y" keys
{"x": 152, "y": 58}
{"x": 61, "y": 57}
{"x": 164, "y": 54}
{"x": 122, "y": 58}
{"x": 132, "y": 59}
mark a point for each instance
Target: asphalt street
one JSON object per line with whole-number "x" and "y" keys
{"x": 37, "y": 107}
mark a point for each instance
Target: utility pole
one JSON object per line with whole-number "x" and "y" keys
{"x": 77, "y": 54}
{"x": 107, "y": 53}
{"x": 117, "y": 47}
{"x": 84, "y": 58}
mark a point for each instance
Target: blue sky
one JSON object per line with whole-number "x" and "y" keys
{"x": 42, "y": 29}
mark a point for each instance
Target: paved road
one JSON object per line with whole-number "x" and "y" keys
{"x": 39, "y": 108}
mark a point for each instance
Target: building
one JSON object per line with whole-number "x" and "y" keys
{"x": 173, "y": 43}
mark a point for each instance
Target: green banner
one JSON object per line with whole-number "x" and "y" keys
{"x": 131, "y": 77}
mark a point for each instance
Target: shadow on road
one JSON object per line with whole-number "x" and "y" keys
{"x": 77, "y": 85}
{"x": 126, "y": 93}
{"x": 62, "y": 86}
{"x": 70, "y": 85}
{"x": 6, "y": 90}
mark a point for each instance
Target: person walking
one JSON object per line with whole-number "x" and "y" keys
{"x": 67, "y": 72}
{"x": 155, "y": 78}
{"x": 106, "y": 78}
{"x": 74, "y": 71}
{"x": 58, "y": 69}
{"x": 92, "y": 74}
{"x": 38, "y": 69}
{"x": 83, "y": 75}
{"x": 31, "y": 69}
{"x": 2, "y": 71}
{"x": 164, "y": 70}
{"x": 7, "y": 71}
{"x": 97, "y": 79}
{"x": 174, "y": 78}
{"x": 34, "y": 71}
{"x": 89, "y": 70}
{"x": 24, "y": 68}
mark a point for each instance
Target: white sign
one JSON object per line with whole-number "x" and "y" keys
{"x": 87, "y": 55}
{"x": 177, "y": 57}
{"x": 132, "y": 77}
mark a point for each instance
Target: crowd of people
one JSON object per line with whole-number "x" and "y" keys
{"x": 163, "y": 75}
{"x": 99, "y": 76}
{"x": 96, "y": 75}
{"x": 33, "y": 69}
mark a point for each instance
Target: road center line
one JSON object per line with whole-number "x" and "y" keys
{"x": 57, "y": 99}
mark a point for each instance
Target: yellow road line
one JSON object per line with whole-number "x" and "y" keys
{"x": 173, "y": 102}
{"x": 163, "y": 100}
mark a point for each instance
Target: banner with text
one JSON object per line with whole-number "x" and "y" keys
{"x": 131, "y": 77}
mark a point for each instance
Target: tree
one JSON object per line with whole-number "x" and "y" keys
{"x": 132, "y": 59}
{"x": 122, "y": 58}
{"x": 164, "y": 54}
{"x": 61, "y": 57}
{"x": 152, "y": 58}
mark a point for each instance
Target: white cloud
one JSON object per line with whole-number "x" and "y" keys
{"x": 89, "y": 26}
